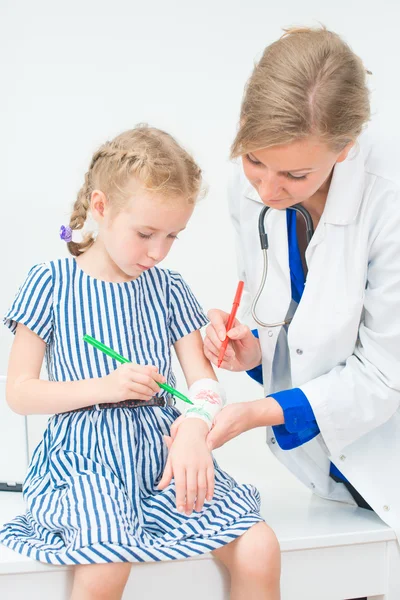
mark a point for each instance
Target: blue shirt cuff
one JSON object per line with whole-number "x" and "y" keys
{"x": 296, "y": 409}
{"x": 256, "y": 373}
{"x": 300, "y": 424}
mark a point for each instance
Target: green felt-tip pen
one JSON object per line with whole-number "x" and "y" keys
{"x": 110, "y": 352}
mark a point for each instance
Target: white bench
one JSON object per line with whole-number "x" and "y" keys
{"x": 330, "y": 551}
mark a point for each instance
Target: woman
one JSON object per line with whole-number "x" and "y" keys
{"x": 331, "y": 374}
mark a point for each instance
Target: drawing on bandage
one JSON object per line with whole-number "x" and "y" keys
{"x": 208, "y": 396}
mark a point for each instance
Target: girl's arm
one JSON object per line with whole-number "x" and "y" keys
{"x": 190, "y": 461}
{"x": 206, "y": 393}
{"x": 27, "y": 394}
{"x": 195, "y": 366}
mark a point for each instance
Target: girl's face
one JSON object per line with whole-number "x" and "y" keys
{"x": 140, "y": 235}
{"x": 286, "y": 175}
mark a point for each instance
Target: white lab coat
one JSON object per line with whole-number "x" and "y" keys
{"x": 344, "y": 340}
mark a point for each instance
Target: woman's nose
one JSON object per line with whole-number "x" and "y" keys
{"x": 269, "y": 188}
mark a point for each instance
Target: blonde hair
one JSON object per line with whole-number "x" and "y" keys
{"x": 151, "y": 156}
{"x": 307, "y": 83}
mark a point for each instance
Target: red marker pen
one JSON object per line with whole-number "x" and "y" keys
{"x": 231, "y": 319}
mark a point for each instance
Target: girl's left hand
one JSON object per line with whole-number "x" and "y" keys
{"x": 190, "y": 464}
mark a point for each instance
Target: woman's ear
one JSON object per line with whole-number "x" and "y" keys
{"x": 98, "y": 205}
{"x": 344, "y": 153}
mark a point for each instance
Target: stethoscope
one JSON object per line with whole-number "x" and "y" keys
{"x": 264, "y": 247}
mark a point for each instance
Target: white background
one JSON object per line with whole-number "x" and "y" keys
{"x": 75, "y": 74}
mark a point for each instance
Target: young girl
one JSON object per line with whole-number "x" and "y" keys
{"x": 95, "y": 494}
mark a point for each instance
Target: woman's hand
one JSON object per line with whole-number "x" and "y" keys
{"x": 130, "y": 382}
{"x": 238, "y": 418}
{"x": 229, "y": 423}
{"x": 190, "y": 464}
{"x": 243, "y": 351}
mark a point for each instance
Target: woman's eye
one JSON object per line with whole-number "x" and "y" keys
{"x": 296, "y": 177}
{"x": 174, "y": 237}
{"x": 252, "y": 160}
{"x": 144, "y": 236}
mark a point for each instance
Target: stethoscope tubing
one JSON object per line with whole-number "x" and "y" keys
{"x": 264, "y": 247}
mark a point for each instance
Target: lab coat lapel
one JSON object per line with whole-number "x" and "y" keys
{"x": 344, "y": 197}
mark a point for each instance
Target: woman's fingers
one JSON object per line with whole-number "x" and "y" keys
{"x": 211, "y": 357}
{"x": 212, "y": 354}
{"x": 238, "y": 332}
{"x": 215, "y": 438}
{"x": 218, "y": 320}
{"x": 216, "y": 331}
{"x": 213, "y": 337}
{"x": 226, "y": 364}
{"x": 213, "y": 349}
{"x": 209, "y": 342}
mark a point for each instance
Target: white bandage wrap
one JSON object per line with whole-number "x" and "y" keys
{"x": 208, "y": 398}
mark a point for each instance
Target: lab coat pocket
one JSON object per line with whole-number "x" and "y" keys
{"x": 324, "y": 340}
{"x": 337, "y": 332}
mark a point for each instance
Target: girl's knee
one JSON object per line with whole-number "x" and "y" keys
{"x": 255, "y": 554}
{"x": 102, "y": 581}
{"x": 260, "y": 548}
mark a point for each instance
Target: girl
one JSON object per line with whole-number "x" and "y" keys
{"x": 94, "y": 493}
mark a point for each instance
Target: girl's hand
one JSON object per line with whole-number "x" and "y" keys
{"x": 190, "y": 464}
{"x": 243, "y": 351}
{"x": 130, "y": 382}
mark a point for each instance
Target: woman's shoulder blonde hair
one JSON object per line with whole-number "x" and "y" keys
{"x": 307, "y": 83}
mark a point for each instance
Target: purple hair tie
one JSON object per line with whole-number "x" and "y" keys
{"x": 66, "y": 233}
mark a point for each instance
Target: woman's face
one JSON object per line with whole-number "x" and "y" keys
{"x": 286, "y": 175}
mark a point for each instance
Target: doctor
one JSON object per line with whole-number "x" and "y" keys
{"x": 332, "y": 376}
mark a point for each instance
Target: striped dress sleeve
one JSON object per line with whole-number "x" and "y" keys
{"x": 185, "y": 313}
{"x": 33, "y": 304}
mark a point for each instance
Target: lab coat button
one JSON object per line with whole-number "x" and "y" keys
{"x": 273, "y": 440}
{"x": 270, "y": 333}
{"x": 342, "y": 457}
{"x": 299, "y": 351}
{"x": 386, "y": 508}
{"x": 312, "y": 485}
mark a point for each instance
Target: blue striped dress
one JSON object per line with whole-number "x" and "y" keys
{"x": 91, "y": 487}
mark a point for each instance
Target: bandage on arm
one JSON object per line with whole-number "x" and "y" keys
{"x": 208, "y": 398}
